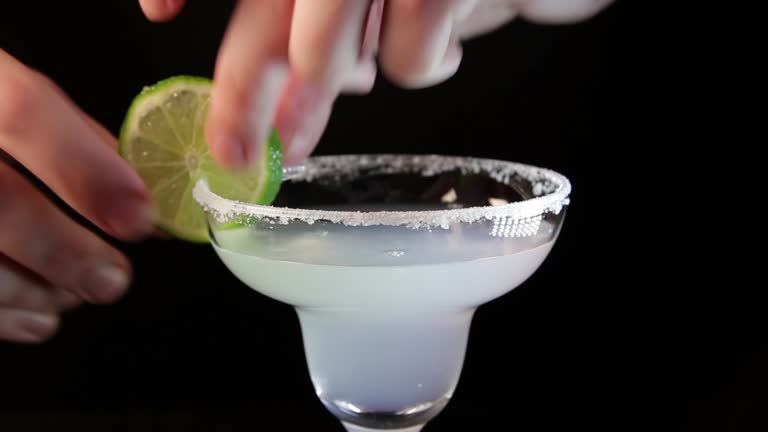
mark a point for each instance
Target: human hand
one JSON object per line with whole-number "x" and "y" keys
{"x": 284, "y": 62}
{"x": 48, "y": 262}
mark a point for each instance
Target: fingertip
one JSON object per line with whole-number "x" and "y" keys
{"x": 562, "y": 11}
{"x": 422, "y": 49}
{"x": 451, "y": 62}
{"x": 362, "y": 79}
{"x": 301, "y": 118}
{"x": 224, "y": 144}
{"x": 105, "y": 283}
{"x": 161, "y": 10}
{"x": 242, "y": 112}
{"x": 298, "y": 155}
{"x": 417, "y": 76}
{"x": 297, "y": 143}
{"x": 35, "y": 327}
{"x": 130, "y": 217}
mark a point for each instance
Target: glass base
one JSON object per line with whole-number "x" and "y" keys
{"x": 353, "y": 428}
{"x": 409, "y": 420}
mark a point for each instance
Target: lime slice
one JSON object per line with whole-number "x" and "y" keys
{"x": 163, "y": 138}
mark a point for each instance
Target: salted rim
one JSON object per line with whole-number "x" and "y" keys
{"x": 552, "y": 190}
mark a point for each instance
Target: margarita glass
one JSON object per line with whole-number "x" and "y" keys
{"x": 385, "y": 259}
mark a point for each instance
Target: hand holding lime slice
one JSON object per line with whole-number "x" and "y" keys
{"x": 163, "y": 138}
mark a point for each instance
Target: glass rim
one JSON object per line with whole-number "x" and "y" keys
{"x": 552, "y": 192}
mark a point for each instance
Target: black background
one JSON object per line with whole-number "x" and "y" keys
{"x": 601, "y": 337}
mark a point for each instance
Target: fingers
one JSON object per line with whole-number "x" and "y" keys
{"x": 561, "y": 11}
{"x": 49, "y": 244}
{"x": 28, "y": 308}
{"x": 301, "y": 118}
{"x": 41, "y": 129}
{"x": 251, "y": 71}
{"x": 363, "y": 76}
{"x": 161, "y": 10}
{"x": 332, "y": 48}
{"x": 18, "y": 290}
{"x": 20, "y": 325}
{"x": 255, "y": 89}
{"x": 418, "y": 45}
{"x": 326, "y": 40}
{"x": 486, "y": 16}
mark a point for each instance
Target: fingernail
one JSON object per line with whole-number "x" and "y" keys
{"x": 362, "y": 78}
{"x": 263, "y": 107}
{"x": 299, "y": 147}
{"x": 302, "y": 118}
{"x": 444, "y": 67}
{"x": 130, "y": 218}
{"x": 304, "y": 97}
{"x": 35, "y": 326}
{"x": 105, "y": 284}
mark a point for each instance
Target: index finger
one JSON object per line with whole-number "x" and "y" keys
{"x": 251, "y": 72}
{"x": 48, "y": 135}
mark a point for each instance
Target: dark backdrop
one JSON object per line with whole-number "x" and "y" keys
{"x": 587, "y": 342}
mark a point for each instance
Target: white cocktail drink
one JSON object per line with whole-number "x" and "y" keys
{"x": 384, "y": 314}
